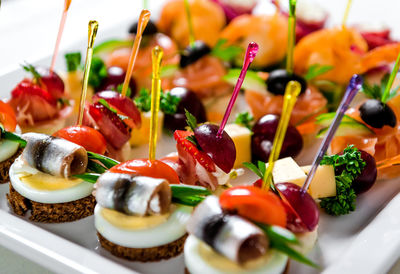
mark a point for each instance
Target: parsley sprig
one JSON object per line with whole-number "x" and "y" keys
{"x": 375, "y": 91}
{"x": 244, "y": 119}
{"x": 168, "y": 103}
{"x": 352, "y": 164}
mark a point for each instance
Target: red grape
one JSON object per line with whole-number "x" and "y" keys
{"x": 123, "y": 104}
{"x": 54, "y": 84}
{"x": 116, "y": 77}
{"x": 368, "y": 175}
{"x": 221, "y": 149}
{"x": 302, "y": 211}
{"x": 191, "y": 103}
{"x": 263, "y": 138}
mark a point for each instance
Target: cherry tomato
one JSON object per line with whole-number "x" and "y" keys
{"x": 7, "y": 117}
{"x": 146, "y": 167}
{"x": 88, "y": 137}
{"x": 255, "y": 204}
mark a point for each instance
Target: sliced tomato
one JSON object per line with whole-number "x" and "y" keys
{"x": 254, "y": 204}
{"x": 7, "y": 117}
{"x": 88, "y": 137}
{"x": 149, "y": 168}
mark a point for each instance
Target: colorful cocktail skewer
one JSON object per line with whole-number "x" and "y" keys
{"x": 251, "y": 52}
{"x": 142, "y": 23}
{"x": 190, "y": 23}
{"x": 67, "y": 3}
{"x": 291, "y": 36}
{"x": 352, "y": 89}
{"x": 93, "y": 26}
{"x": 157, "y": 54}
{"x": 293, "y": 89}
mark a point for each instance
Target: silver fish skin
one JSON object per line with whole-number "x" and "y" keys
{"x": 229, "y": 235}
{"x": 132, "y": 194}
{"x": 53, "y": 155}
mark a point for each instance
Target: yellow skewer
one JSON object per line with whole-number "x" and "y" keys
{"x": 346, "y": 13}
{"x": 157, "y": 55}
{"x": 93, "y": 26}
{"x": 293, "y": 89}
{"x": 142, "y": 23}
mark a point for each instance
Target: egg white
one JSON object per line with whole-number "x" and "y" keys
{"x": 20, "y": 168}
{"x": 197, "y": 264}
{"x": 167, "y": 232}
{"x": 7, "y": 149}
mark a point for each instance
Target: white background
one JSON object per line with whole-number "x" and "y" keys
{"x": 28, "y": 30}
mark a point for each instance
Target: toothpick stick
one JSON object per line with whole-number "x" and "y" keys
{"x": 251, "y": 53}
{"x": 190, "y": 23}
{"x": 391, "y": 79}
{"x": 292, "y": 90}
{"x": 157, "y": 55}
{"x": 142, "y": 23}
{"x": 93, "y": 26}
{"x": 351, "y": 91}
{"x": 346, "y": 13}
{"x": 291, "y": 36}
{"x": 67, "y": 3}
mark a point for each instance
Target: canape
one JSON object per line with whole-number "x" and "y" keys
{"x": 135, "y": 218}
{"x": 41, "y": 103}
{"x": 225, "y": 237}
{"x": 41, "y": 181}
{"x": 9, "y": 149}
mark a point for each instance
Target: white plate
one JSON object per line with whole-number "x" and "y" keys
{"x": 366, "y": 241}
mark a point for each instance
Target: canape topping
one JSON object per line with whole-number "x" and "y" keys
{"x": 133, "y": 195}
{"x": 54, "y": 155}
{"x": 232, "y": 236}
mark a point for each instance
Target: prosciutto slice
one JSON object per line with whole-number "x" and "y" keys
{"x": 54, "y": 156}
{"x": 133, "y": 195}
{"x": 234, "y": 237}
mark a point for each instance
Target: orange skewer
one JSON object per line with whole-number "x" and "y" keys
{"x": 67, "y": 3}
{"x": 142, "y": 23}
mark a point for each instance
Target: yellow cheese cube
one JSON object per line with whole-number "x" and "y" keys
{"x": 141, "y": 136}
{"x": 241, "y": 136}
{"x": 323, "y": 184}
{"x": 287, "y": 170}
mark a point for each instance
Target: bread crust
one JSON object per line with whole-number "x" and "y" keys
{"x": 51, "y": 213}
{"x": 151, "y": 254}
{"x": 5, "y": 167}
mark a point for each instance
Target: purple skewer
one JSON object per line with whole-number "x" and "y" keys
{"x": 251, "y": 53}
{"x": 351, "y": 91}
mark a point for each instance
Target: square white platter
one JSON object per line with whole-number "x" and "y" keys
{"x": 366, "y": 241}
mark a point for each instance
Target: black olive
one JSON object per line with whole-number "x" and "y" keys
{"x": 377, "y": 114}
{"x": 192, "y": 54}
{"x": 278, "y": 79}
{"x": 150, "y": 29}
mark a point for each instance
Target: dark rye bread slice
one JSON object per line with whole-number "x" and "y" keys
{"x": 51, "y": 213}
{"x": 151, "y": 254}
{"x": 5, "y": 167}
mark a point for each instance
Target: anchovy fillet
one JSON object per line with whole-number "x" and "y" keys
{"x": 133, "y": 195}
{"x": 234, "y": 237}
{"x": 53, "y": 155}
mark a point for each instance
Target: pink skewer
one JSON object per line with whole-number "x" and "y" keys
{"x": 251, "y": 53}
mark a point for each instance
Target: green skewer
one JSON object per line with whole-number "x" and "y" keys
{"x": 190, "y": 23}
{"x": 391, "y": 79}
{"x": 291, "y": 36}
